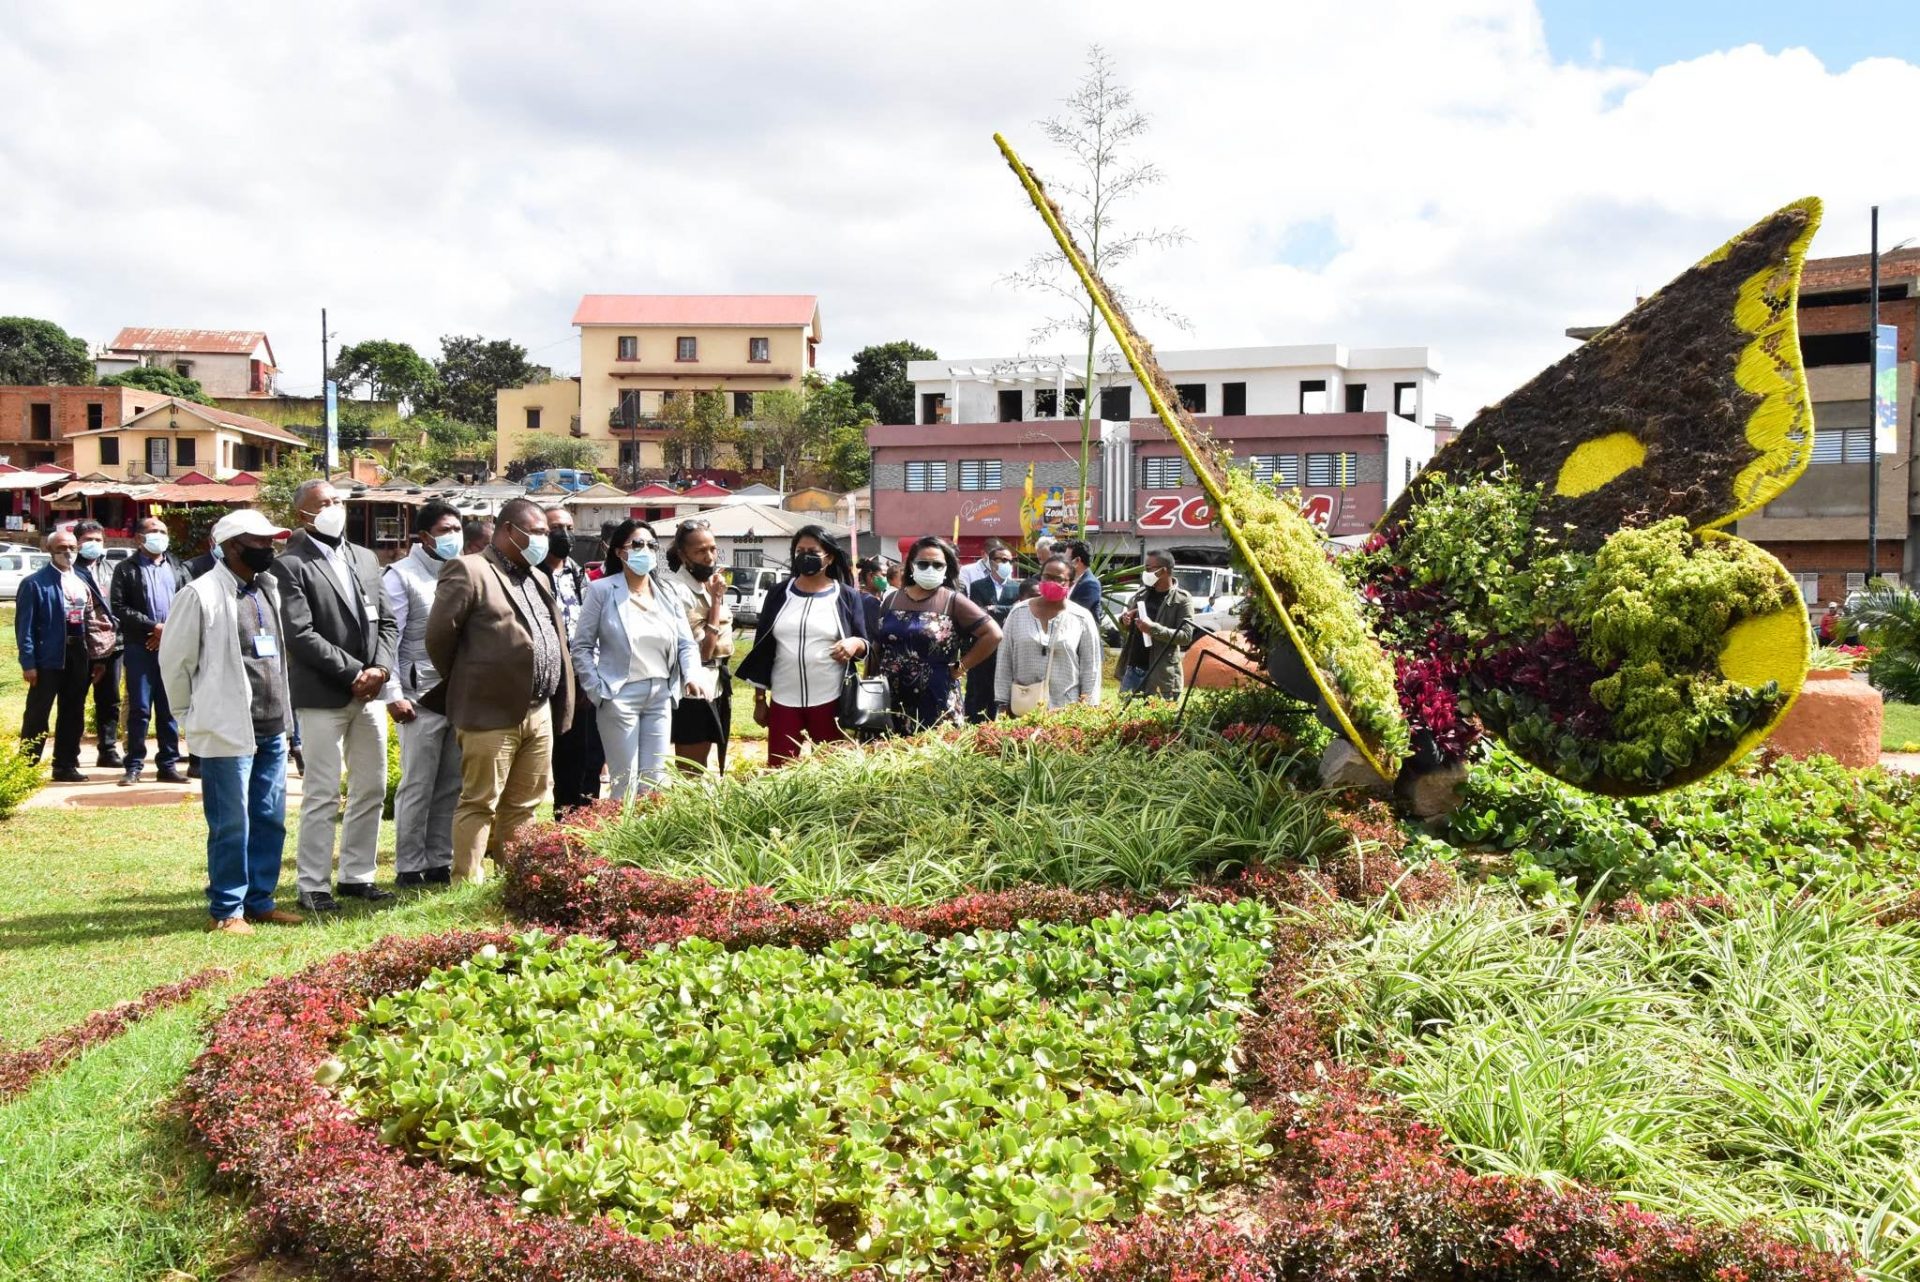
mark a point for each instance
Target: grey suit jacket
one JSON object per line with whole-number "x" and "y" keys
{"x": 328, "y": 640}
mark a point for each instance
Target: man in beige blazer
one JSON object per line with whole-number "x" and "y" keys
{"x": 506, "y": 683}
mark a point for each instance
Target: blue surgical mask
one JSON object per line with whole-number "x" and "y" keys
{"x": 155, "y": 544}
{"x": 536, "y": 549}
{"x": 93, "y": 550}
{"x": 1003, "y": 570}
{"x": 447, "y": 546}
{"x": 641, "y": 560}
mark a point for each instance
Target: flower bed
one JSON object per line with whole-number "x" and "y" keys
{"x": 20, "y": 1069}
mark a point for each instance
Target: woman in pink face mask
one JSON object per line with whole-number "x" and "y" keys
{"x": 1049, "y": 649}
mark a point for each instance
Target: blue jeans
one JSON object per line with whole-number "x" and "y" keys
{"x": 146, "y": 694}
{"x": 1132, "y": 679}
{"x": 246, "y": 803}
{"x": 634, "y": 728}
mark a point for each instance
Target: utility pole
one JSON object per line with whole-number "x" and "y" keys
{"x": 1873, "y": 406}
{"x": 325, "y": 364}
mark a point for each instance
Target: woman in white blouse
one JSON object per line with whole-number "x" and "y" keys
{"x": 634, "y": 657}
{"x": 1048, "y": 644}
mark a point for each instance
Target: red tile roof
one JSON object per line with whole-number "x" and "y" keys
{"x": 655, "y": 490}
{"x": 211, "y": 342}
{"x": 696, "y": 309}
{"x": 705, "y": 490}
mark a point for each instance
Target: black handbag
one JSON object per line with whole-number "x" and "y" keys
{"x": 866, "y": 703}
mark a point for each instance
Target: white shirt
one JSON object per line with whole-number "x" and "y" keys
{"x": 650, "y": 637}
{"x": 343, "y": 574}
{"x": 1073, "y": 640}
{"x": 805, "y": 674}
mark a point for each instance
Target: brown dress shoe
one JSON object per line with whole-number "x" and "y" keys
{"x": 229, "y": 926}
{"x": 278, "y": 917}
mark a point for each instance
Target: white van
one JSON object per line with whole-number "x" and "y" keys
{"x": 747, "y": 591}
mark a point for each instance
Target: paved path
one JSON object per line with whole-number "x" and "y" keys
{"x": 1906, "y": 763}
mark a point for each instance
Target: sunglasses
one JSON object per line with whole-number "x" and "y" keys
{"x": 640, "y": 544}
{"x": 929, "y": 565}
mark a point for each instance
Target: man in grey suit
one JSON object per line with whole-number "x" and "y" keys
{"x": 341, "y": 640}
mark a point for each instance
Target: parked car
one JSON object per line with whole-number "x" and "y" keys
{"x": 15, "y": 566}
{"x": 569, "y": 479}
{"x": 747, "y": 590}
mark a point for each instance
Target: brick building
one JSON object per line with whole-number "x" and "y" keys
{"x": 37, "y": 424}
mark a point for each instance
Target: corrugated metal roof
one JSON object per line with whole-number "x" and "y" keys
{"x": 212, "y": 342}
{"x": 696, "y": 309}
{"x": 214, "y": 414}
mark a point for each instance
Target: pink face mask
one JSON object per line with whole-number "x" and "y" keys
{"x": 1053, "y": 591}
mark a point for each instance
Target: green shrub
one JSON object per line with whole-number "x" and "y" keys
{"x": 1888, "y": 617}
{"x": 393, "y": 769}
{"x": 1761, "y": 1063}
{"x": 891, "y": 1100}
{"x": 20, "y": 776}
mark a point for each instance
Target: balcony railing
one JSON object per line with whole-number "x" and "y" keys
{"x": 619, "y": 422}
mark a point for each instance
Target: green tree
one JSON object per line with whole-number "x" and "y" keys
{"x": 388, "y": 370}
{"x": 1096, "y": 135}
{"x": 166, "y": 382}
{"x": 38, "y": 352}
{"x": 696, "y": 427}
{"x": 470, "y": 370}
{"x": 879, "y": 377}
{"x": 538, "y": 453}
{"x": 278, "y": 483}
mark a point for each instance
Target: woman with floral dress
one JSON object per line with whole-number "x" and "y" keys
{"x": 918, "y": 648}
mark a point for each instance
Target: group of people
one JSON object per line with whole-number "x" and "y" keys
{"x": 510, "y": 674}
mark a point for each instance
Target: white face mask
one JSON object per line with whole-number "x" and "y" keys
{"x": 331, "y": 521}
{"x": 93, "y": 549}
{"x": 155, "y": 544}
{"x": 929, "y": 579}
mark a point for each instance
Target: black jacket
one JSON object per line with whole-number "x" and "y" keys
{"x": 202, "y": 564}
{"x": 757, "y": 667}
{"x": 328, "y": 641}
{"x": 128, "y": 596}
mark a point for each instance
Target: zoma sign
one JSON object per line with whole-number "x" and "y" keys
{"x": 1173, "y": 512}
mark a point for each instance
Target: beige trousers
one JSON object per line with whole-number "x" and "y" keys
{"x": 504, "y": 776}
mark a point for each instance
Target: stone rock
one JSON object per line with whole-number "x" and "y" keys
{"x": 1428, "y": 794}
{"x": 1342, "y": 767}
{"x": 1835, "y": 715}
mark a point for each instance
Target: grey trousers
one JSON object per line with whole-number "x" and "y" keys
{"x": 429, "y": 790}
{"x": 353, "y": 738}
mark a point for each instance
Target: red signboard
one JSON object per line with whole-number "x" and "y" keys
{"x": 1178, "y": 512}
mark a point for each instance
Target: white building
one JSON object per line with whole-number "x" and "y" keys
{"x": 227, "y": 362}
{"x": 1315, "y": 378}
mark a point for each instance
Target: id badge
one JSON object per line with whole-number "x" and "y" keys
{"x": 265, "y": 646}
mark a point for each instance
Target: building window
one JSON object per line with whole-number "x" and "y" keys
{"x": 40, "y": 422}
{"x": 1116, "y": 404}
{"x": 1076, "y": 401}
{"x": 1406, "y": 400}
{"x": 1313, "y": 396}
{"x": 183, "y": 451}
{"x": 1356, "y": 398}
{"x": 1842, "y": 445}
{"x": 1410, "y": 469}
{"x": 629, "y": 406}
{"x": 933, "y": 407}
{"x": 96, "y": 416}
{"x": 686, "y": 349}
{"x": 109, "y": 451}
{"x": 1856, "y": 581}
{"x": 183, "y": 368}
{"x": 533, "y": 419}
{"x": 743, "y": 404}
{"x": 746, "y": 558}
{"x": 1233, "y": 398}
{"x": 926, "y": 477}
{"x": 669, "y": 397}
{"x": 1809, "y": 588}
{"x": 1010, "y": 406}
{"x": 759, "y": 350}
{"x": 1164, "y": 472}
{"x": 1332, "y": 471}
{"x": 1193, "y": 396}
{"x": 1276, "y": 469}
{"x": 1046, "y": 402}
{"x": 628, "y": 347}
{"x": 979, "y": 473}
{"x": 629, "y": 455}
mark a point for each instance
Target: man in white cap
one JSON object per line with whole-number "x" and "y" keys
{"x": 225, "y": 670}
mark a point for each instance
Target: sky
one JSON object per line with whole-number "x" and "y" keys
{"x": 1472, "y": 176}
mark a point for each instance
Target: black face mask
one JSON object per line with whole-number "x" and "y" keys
{"x": 559, "y": 543}
{"x": 809, "y": 563}
{"x": 697, "y": 572}
{"x": 259, "y": 560}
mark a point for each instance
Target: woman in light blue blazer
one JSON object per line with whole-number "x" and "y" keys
{"x": 635, "y": 657}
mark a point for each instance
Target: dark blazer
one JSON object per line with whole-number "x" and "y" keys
{"x": 40, "y": 619}
{"x": 128, "y": 595}
{"x": 757, "y": 667}
{"x": 200, "y": 565}
{"x": 328, "y": 641}
{"x": 479, "y": 642}
{"x": 1086, "y": 595}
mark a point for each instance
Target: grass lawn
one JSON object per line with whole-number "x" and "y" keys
{"x": 1901, "y": 728}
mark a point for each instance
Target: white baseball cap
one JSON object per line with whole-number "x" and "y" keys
{"x": 245, "y": 520}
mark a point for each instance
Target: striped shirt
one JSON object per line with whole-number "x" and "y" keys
{"x": 1074, "y": 639}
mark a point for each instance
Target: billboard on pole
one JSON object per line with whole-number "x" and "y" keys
{"x": 1886, "y": 389}
{"x": 333, "y": 425}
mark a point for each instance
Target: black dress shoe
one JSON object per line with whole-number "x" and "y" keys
{"x": 425, "y": 877}
{"x": 193, "y": 769}
{"x": 318, "y": 901}
{"x": 441, "y": 876}
{"x": 70, "y": 774}
{"x": 130, "y": 778}
{"x": 362, "y": 890}
{"x": 169, "y": 774}
{"x": 110, "y": 759}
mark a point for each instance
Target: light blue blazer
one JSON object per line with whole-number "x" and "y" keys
{"x": 601, "y": 656}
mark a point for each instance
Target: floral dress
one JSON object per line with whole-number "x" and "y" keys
{"x": 918, "y": 645}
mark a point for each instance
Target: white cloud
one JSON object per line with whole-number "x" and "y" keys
{"x": 446, "y": 167}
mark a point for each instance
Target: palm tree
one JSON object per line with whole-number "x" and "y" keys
{"x": 1888, "y": 616}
